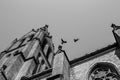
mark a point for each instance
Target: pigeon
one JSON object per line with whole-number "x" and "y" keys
{"x": 62, "y": 41}
{"x": 75, "y": 40}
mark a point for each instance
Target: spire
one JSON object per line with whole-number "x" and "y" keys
{"x": 44, "y": 28}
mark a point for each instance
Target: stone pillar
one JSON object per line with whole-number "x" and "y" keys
{"x": 61, "y": 67}
{"x": 45, "y": 59}
{"x": 39, "y": 35}
{"x": 27, "y": 69}
{"x": 39, "y": 65}
{"x": 27, "y": 48}
{"x": 32, "y": 44}
{"x": 51, "y": 57}
{"x": 11, "y": 66}
{"x": 45, "y": 50}
{"x": 34, "y": 51}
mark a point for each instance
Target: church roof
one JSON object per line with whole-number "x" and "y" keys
{"x": 92, "y": 54}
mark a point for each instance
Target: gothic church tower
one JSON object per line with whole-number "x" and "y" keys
{"x": 31, "y": 54}
{"x": 32, "y": 57}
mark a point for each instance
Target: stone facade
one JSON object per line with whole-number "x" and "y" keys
{"x": 32, "y": 57}
{"x": 82, "y": 71}
{"x": 27, "y": 56}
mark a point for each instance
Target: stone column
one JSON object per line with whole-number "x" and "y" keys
{"x": 34, "y": 51}
{"x": 11, "y": 66}
{"x": 39, "y": 65}
{"x": 45, "y": 50}
{"x": 27, "y": 48}
{"x": 51, "y": 57}
{"x": 27, "y": 69}
{"x": 61, "y": 67}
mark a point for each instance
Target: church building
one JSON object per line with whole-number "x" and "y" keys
{"x": 33, "y": 57}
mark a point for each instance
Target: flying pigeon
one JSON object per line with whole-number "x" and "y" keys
{"x": 75, "y": 40}
{"x": 62, "y": 41}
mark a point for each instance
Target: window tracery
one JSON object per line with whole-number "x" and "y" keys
{"x": 104, "y": 72}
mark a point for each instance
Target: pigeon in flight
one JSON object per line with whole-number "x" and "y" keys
{"x": 75, "y": 40}
{"x": 62, "y": 41}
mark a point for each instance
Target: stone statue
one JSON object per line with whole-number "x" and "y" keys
{"x": 115, "y": 27}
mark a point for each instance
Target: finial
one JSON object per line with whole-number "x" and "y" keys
{"x": 35, "y": 30}
{"x": 115, "y": 27}
{"x": 44, "y": 28}
{"x": 60, "y": 47}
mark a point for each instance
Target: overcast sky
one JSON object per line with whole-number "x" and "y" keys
{"x": 88, "y": 20}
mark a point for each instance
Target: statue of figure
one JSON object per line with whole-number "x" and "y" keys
{"x": 115, "y": 27}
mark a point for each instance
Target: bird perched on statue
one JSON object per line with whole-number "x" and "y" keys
{"x": 75, "y": 40}
{"x": 63, "y": 41}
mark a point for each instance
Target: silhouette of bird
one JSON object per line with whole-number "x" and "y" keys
{"x": 62, "y": 41}
{"x": 75, "y": 40}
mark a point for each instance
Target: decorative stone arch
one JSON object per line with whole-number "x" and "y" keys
{"x": 103, "y": 71}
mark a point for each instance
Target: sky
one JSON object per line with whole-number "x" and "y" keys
{"x": 88, "y": 20}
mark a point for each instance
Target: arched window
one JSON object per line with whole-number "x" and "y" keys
{"x": 103, "y": 71}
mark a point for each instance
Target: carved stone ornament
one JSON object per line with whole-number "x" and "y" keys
{"x": 104, "y": 73}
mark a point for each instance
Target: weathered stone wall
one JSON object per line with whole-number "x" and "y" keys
{"x": 80, "y": 71}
